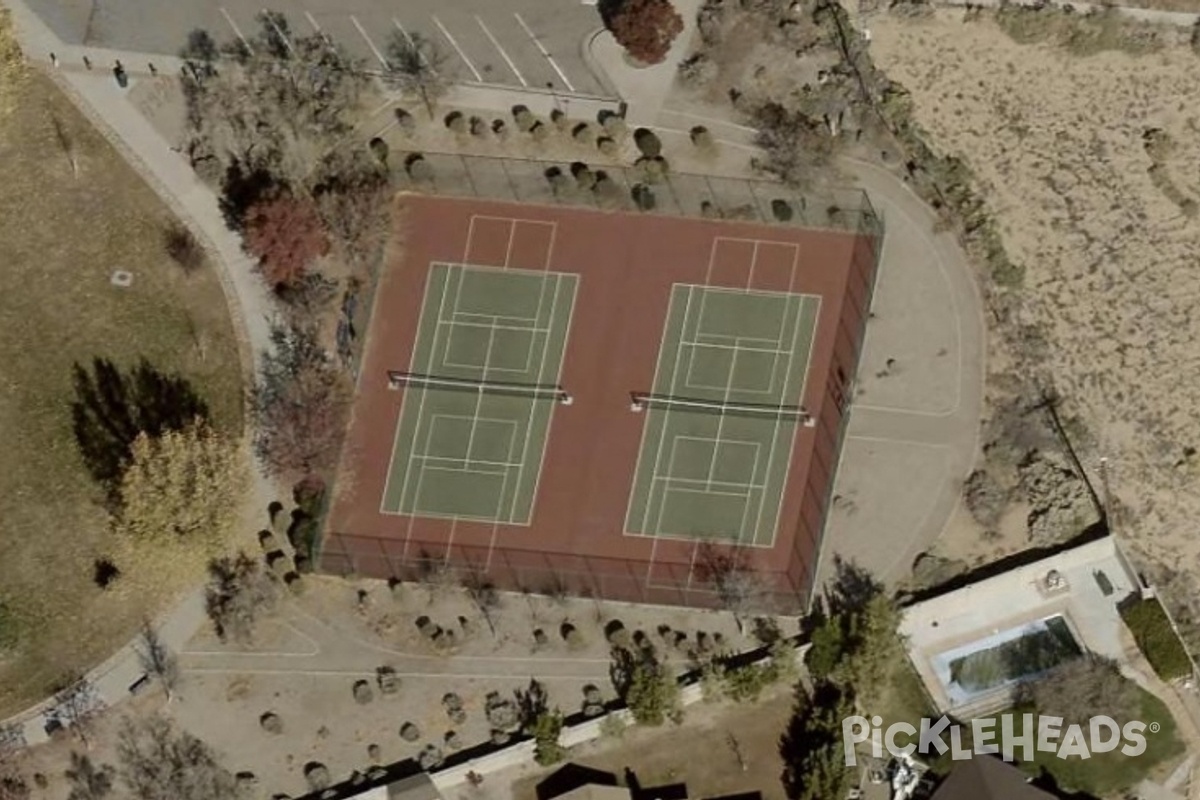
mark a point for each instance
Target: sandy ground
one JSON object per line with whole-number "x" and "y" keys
{"x": 1056, "y": 142}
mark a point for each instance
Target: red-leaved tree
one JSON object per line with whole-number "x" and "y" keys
{"x": 286, "y": 234}
{"x": 646, "y": 28}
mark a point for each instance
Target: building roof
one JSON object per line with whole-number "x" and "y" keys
{"x": 985, "y": 778}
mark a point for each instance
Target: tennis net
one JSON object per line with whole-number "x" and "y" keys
{"x": 643, "y": 400}
{"x": 537, "y": 391}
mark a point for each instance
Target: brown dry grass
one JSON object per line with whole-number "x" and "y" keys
{"x": 1058, "y": 145}
{"x": 61, "y": 237}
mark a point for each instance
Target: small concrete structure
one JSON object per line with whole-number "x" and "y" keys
{"x": 1083, "y": 586}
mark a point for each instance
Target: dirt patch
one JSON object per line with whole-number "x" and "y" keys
{"x": 71, "y": 213}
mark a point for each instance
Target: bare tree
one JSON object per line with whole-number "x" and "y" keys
{"x": 238, "y": 591}
{"x": 88, "y": 780}
{"x": 75, "y": 709}
{"x": 1085, "y": 687}
{"x": 157, "y": 659}
{"x": 12, "y": 783}
{"x": 416, "y": 65}
{"x": 66, "y": 143}
{"x": 484, "y": 595}
{"x": 160, "y": 762}
{"x": 740, "y": 590}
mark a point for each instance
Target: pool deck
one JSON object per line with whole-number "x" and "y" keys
{"x": 1019, "y": 597}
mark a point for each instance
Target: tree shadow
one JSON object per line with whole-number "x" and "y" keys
{"x": 112, "y": 408}
{"x": 243, "y": 186}
{"x": 851, "y": 589}
{"x": 608, "y": 10}
{"x": 812, "y": 731}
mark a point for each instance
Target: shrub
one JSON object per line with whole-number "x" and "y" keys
{"x": 409, "y": 732}
{"x": 540, "y": 131}
{"x": 584, "y": 177}
{"x": 561, "y": 121}
{"x": 524, "y": 118}
{"x": 702, "y": 138}
{"x": 546, "y": 730}
{"x": 389, "y": 682}
{"x": 645, "y": 28}
{"x": 540, "y": 639}
{"x": 183, "y": 247}
{"x": 479, "y": 127}
{"x": 708, "y": 210}
{"x": 317, "y": 775}
{"x": 363, "y": 693}
{"x": 608, "y": 193}
{"x": 452, "y": 740}
{"x": 583, "y": 134}
{"x": 781, "y": 210}
{"x": 430, "y": 757}
{"x": 653, "y": 169}
{"x": 608, "y": 146}
{"x": 572, "y": 636}
{"x": 618, "y": 635}
{"x": 643, "y": 197}
{"x": 375, "y": 753}
{"x": 379, "y": 149}
{"x": 502, "y": 713}
{"x": 500, "y": 129}
{"x": 613, "y": 124}
{"x": 647, "y": 142}
{"x": 1152, "y": 631}
{"x": 418, "y": 169}
{"x": 271, "y": 722}
{"x": 405, "y": 122}
{"x": 456, "y": 122}
{"x": 500, "y": 738}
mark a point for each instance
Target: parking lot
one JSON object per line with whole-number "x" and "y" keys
{"x": 534, "y": 44}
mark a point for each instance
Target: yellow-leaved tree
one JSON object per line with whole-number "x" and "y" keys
{"x": 183, "y": 488}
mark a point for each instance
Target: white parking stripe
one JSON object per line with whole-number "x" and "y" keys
{"x": 503, "y": 54}
{"x": 370, "y": 44}
{"x": 545, "y": 52}
{"x": 400, "y": 28}
{"x": 458, "y": 49}
{"x": 317, "y": 29}
{"x": 271, "y": 21}
{"x": 236, "y": 29}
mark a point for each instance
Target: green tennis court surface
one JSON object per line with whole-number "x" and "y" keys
{"x": 707, "y": 474}
{"x": 470, "y": 454}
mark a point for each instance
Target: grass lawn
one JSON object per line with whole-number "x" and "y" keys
{"x": 61, "y": 237}
{"x": 1106, "y": 774}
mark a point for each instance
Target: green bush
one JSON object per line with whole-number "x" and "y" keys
{"x": 1152, "y": 631}
{"x": 546, "y": 730}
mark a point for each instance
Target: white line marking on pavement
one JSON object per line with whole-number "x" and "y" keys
{"x": 236, "y": 29}
{"x": 545, "y": 52}
{"x": 370, "y": 44}
{"x": 400, "y": 28}
{"x": 503, "y": 54}
{"x": 457, "y": 49}
{"x": 266, "y": 15}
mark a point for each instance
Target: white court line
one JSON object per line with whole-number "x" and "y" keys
{"x": 457, "y": 49}
{"x": 503, "y": 54}
{"x": 236, "y": 29}
{"x": 370, "y": 44}
{"x": 404, "y": 400}
{"x": 787, "y": 375}
{"x": 541, "y": 374}
{"x": 646, "y": 430}
{"x": 667, "y": 411}
{"x": 537, "y": 43}
{"x": 266, "y": 14}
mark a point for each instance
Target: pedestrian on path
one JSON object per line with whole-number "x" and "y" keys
{"x": 153, "y": 70}
{"x": 54, "y": 60}
{"x": 87, "y": 62}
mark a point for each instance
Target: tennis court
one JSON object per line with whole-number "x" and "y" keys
{"x": 480, "y": 393}
{"x": 722, "y": 415}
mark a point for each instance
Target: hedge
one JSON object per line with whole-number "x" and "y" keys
{"x": 1152, "y": 630}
